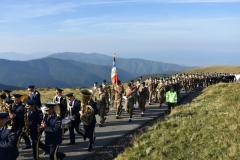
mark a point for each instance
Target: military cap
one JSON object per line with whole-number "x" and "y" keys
{"x": 3, "y": 114}
{"x": 69, "y": 95}
{"x": 17, "y": 95}
{"x": 7, "y": 91}
{"x": 31, "y": 86}
{"x": 59, "y": 89}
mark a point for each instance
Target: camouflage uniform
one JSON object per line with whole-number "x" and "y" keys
{"x": 150, "y": 90}
{"x": 118, "y": 93}
{"x": 143, "y": 96}
{"x": 107, "y": 90}
{"x": 161, "y": 93}
{"x": 102, "y": 105}
{"x": 130, "y": 92}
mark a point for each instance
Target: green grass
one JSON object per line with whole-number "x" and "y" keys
{"x": 208, "y": 128}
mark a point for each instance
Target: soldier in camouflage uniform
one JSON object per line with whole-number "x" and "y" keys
{"x": 130, "y": 93}
{"x": 150, "y": 90}
{"x": 94, "y": 91}
{"x": 108, "y": 92}
{"x": 118, "y": 93}
{"x": 102, "y": 104}
{"x": 143, "y": 96}
{"x": 161, "y": 92}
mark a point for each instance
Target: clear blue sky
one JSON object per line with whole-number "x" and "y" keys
{"x": 191, "y": 32}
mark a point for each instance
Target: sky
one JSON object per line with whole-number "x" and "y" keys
{"x": 188, "y": 32}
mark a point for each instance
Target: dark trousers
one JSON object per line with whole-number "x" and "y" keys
{"x": 74, "y": 125}
{"x": 54, "y": 153}
{"x": 23, "y": 135}
{"x": 89, "y": 133}
{"x": 170, "y": 107}
{"x": 36, "y": 144}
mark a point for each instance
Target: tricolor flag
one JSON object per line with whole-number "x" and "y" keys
{"x": 114, "y": 74}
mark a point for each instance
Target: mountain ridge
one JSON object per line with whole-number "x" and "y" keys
{"x": 68, "y": 69}
{"x": 136, "y": 66}
{"x": 48, "y": 72}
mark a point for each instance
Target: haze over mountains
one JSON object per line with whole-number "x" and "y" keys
{"x": 75, "y": 69}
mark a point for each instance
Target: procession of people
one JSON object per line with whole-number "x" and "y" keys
{"x": 26, "y": 117}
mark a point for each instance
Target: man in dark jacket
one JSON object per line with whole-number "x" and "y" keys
{"x": 17, "y": 112}
{"x": 8, "y": 140}
{"x": 61, "y": 101}
{"x": 34, "y": 119}
{"x": 34, "y": 96}
{"x": 53, "y": 132}
{"x": 73, "y": 113}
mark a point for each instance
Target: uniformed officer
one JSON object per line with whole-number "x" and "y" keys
{"x": 34, "y": 119}
{"x": 8, "y": 140}
{"x": 8, "y": 97}
{"x": 130, "y": 92}
{"x": 94, "y": 90}
{"x": 17, "y": 114}
{"x": 87, "y": 114}
{"x": 118, "y": 93}
{"x": 143, "y": 96}
{"x": 74, "y": 106}
{"x": 161, "y": 92}
{"x": 53, "y": 132}
{"x": 34, "y": 96}
{"x": 102, "y": 104}
{"x": 150, "y": 89}
{"x": 108, "y": 92}
{"x": 61, "y": 101}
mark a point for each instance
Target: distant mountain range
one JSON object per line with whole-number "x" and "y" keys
{"x": 76, "y": 70}
{"x": 135, "y": 66}
{"x": 2, "y": 86}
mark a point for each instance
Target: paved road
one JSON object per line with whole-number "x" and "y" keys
{"x": 113, "y": 129}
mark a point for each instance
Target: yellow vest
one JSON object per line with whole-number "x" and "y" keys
{"x": 171, "y": 97}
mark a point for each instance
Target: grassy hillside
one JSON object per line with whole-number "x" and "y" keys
{"x": 206, "y": 128}
{"x": 47, "y": 94}
{"x": 218, "y": 69}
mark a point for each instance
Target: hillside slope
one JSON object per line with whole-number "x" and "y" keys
{"x": 206, "y": 128}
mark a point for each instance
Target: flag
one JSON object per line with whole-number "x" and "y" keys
{"x": 114, "y": 74}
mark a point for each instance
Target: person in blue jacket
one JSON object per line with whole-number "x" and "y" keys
{"x": 8, "y": 140}
{"x": 34, "y": 96}
{"x": 53, "y": 131}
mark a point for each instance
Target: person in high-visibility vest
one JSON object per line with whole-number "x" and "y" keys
{"x": 171, "y": 99}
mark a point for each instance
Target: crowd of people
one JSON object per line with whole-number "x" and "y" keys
{"x": 29, "y": 118}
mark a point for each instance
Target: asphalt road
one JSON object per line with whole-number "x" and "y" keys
{"x": 113, "y": 129}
